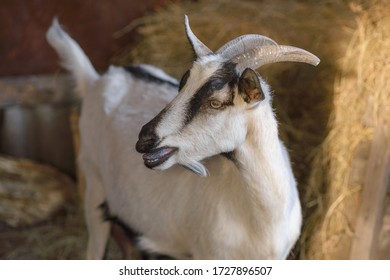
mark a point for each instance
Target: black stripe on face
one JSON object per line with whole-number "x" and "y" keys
{"x": 184, "y": 79}
{"x": 140, "y": 73}
{"x": 225, "y": 75}
{"x": 147, "y": 137}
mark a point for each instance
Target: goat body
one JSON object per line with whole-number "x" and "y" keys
{"x": 247, "y": 208}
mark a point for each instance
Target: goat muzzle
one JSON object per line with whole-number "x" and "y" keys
{"x": 147, "y": 143}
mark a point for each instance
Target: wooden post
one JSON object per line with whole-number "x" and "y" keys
{"x": 373, "y": 196}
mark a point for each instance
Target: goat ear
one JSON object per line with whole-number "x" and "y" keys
{"x": 249, "y": 87}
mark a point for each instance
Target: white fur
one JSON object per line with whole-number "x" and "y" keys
{"x": 251, "y": 212}
{"x": 72, "y": 57}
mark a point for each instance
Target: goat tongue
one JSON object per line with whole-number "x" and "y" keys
{"x": 158, "y": 156}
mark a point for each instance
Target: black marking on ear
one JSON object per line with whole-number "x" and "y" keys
{"x": 225, "y": 75}
{"x": 249, "y": 86}
{"x": 141, "y": 73}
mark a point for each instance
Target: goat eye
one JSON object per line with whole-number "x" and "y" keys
{"x": 215, "y": 104}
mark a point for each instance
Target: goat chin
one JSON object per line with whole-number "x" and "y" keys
{"x": 173, "y": 212}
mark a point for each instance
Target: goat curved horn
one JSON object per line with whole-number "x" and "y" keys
{"x": 260, "y": 56}
{"x": 199, "y": 48}
{"x": 243, "y": 44}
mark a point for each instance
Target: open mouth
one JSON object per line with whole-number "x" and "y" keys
{"x": 158, "y": 156}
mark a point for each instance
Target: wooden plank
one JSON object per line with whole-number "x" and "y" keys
{"x": 37, "y": 90}
{"x": 373, "y": 196}
{"x": 34, "y": 119}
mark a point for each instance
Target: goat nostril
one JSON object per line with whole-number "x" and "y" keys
{"x": 146, "y": 143}
{"x": 147, "y": 138}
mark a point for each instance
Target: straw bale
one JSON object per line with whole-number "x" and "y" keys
{"x": 30, "y": 192}
{"x": 39, "y": 214}
{"x": 361, "y": 104}
{"x": 63, "y": 237}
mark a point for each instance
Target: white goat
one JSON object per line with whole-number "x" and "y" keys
{"x": 248, "y": 208}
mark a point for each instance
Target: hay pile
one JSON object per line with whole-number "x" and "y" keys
{"x": 322, "y": 111}
{"x": 38, "y": 215}
{"x": 62, "y": 238}
{"x": 361, "y": 105}
{"x": 31, "y": 192}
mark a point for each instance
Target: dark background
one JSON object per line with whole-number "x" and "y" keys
{"x": 23, "y": 24}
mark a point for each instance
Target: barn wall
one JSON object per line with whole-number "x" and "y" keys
{"x": 23, "y": 48}
{"x": 35, "y": 108}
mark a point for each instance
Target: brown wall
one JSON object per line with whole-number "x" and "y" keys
{"x": 34, "y": 111}
{"x": 23, "y": 23}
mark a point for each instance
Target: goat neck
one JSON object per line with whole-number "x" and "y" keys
{"x": 270, "y": 184}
